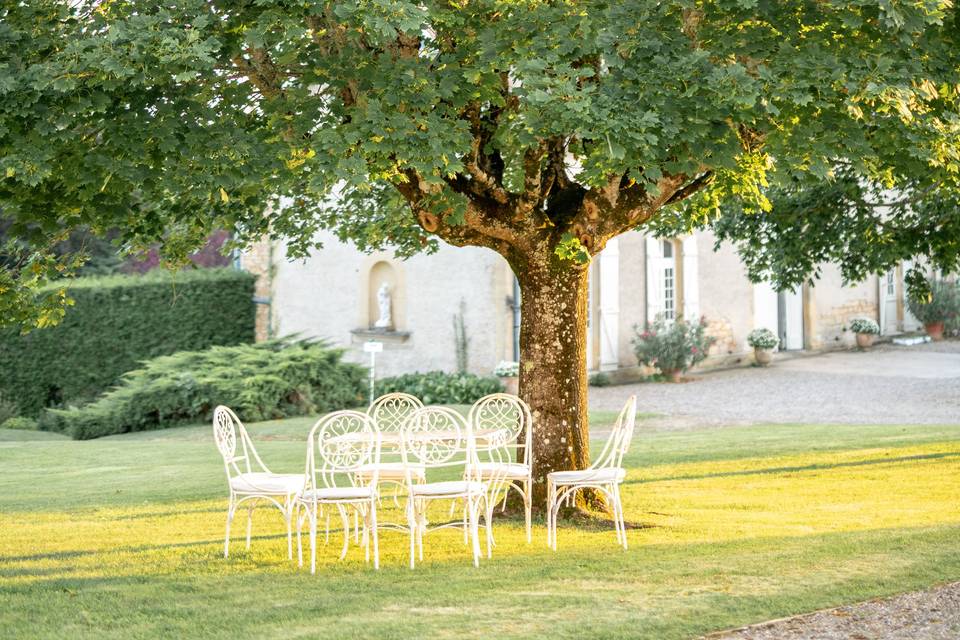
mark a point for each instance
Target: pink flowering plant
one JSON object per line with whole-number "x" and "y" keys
{"x": 670, "y": 346}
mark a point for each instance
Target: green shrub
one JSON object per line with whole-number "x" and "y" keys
{"x": 677, "y": 346}
{"x": 600, "y": 379}
{"x": 19, "y": 422}
{"x": 940, "y": 304}
{"x": 274, "y": 379}
{"x": 116, "y": 323}
{"x": 8, "y": 409}
{"x": 437, "y": 387}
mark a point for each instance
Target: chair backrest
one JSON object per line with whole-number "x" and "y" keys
{"x": 619, "y": 441}
{"x": 435, "y": 437}
{"x": 502, "y": 427}
{"x": 339, "y": 444}
{"x": 391, "y": 410}
{"x": 228, "y": 431}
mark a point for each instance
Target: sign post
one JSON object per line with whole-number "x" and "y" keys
{"x": 373, "y": 348}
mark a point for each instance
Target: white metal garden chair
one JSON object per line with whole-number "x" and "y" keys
{"x": 605, "y": 475}
{"x": 436, "y": 438}
{"x": 389, "y": 412}
{"x": 249, "y": 479}
{"x": 502, "y": 426}
{"x": 338, "y": 445}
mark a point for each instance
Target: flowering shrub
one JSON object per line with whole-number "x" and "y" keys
{"x": 676, "y": 346}
{"x": 940, "y": 304}
{"x": 864, "y": 325}
{"x": 763, "y": 339}
{"x": 507, "y": 369}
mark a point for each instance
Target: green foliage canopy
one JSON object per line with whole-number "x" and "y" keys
{"x": 492, "y": 121}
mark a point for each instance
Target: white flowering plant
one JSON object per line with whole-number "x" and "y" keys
{"x": 864, "y": 325}
{"x": 763, "y": 339}
{"x": 507, "y": 369}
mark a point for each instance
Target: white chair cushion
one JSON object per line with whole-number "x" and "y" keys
{"x": 338, "y": 493}
{"x": 613, "y": 474}
{"x": 503, "y": 469}
{"x": 282, "y": 484}
{"x": 392, "y": 470}
{"x": 451, "y": 487}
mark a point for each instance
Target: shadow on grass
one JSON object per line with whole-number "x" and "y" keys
{"x": 798, "y": 468}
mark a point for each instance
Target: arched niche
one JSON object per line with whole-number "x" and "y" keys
{"x": 384, "y": 272}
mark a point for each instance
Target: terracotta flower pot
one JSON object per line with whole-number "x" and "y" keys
{"x": 865, "y": 340}
{"x": 934, "y": 330}
{"x": 672, "y": 375}
{"x": 511, "y": 384}
{"x": 763, "y": 356}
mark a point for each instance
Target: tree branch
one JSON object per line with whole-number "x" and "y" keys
{"x": 685, "y": 192}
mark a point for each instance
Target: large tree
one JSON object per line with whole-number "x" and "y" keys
{"x": 538, "y": 129}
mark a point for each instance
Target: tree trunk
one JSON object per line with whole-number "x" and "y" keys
{"x": 553, "y": 366}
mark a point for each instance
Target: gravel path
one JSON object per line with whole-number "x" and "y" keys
{"x": 928, "y": 615}
{"x": 888, "y": 384}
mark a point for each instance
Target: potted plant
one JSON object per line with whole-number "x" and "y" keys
{"x": 509, "y": 373}
{"x": 939, "y": 304}
{"x": 866, "y": 329}
{"x": 763, "y": 342}
{"x": 672, "y": 348}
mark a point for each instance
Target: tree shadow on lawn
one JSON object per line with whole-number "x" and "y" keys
{"x": 674, "y": 589}
{"x": 816, "y": 466}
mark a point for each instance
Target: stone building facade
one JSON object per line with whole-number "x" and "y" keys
{"x": 333, "y": 295}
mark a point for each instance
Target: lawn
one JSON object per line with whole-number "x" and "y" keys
{"x": 122, "y": 538}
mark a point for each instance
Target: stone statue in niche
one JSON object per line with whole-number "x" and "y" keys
{"x": 385, "y": 321}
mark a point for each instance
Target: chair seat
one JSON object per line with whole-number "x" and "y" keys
{"x": 338, "y": 493}
{"x": 506, "y": 470}
{"x": 450, "y": 488}
{"x": 596, "y": 476}
{"x": 392, "y": 471}
{"x": 283, "y": 484}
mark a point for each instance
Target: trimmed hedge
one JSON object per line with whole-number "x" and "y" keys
{"x": 274, "y": 379}
{"x": 116, "y": 323}
{"x": 437, "y": 387}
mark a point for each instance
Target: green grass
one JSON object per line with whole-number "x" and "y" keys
{"x": 122, "y": 538}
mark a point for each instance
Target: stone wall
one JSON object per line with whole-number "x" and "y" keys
{"x": 257, "y": 259}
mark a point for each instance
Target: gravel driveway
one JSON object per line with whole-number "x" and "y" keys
{"x": 930, "y": 615}
{"x": 888, "y": 384}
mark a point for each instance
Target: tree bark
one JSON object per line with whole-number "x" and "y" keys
{"x": 553, "y": 372}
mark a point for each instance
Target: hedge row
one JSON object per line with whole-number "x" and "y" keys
{"x": 116, "y": 323}
{"x": 274, "y": 379}
{"x": 438, "y": 387}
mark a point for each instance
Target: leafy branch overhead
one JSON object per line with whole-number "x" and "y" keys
{"x": 520, "y": 126}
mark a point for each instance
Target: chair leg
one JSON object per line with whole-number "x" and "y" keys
{"x": 356, "y": 526}
{"x": 288, "y": 517}
{"x": 620, "y": 518}
{"x": 346, "y": 530}
{"x": 376, "y": 537}
{"x": 299, "y": 520}
{"x": 527, "y": 508}
{"x": 366, "y": 537}
{"x": 413, "y": 527}
{"x": 226, "y": 539}
{"x": 312, "y": 514}
{"x": 249, "y": 524}
{"x": 549, "y": 514}
{"x": 488, "y": 521}
{"x": 474, "y": 530}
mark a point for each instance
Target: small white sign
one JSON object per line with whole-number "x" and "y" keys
{"x": 372, "y": 346}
